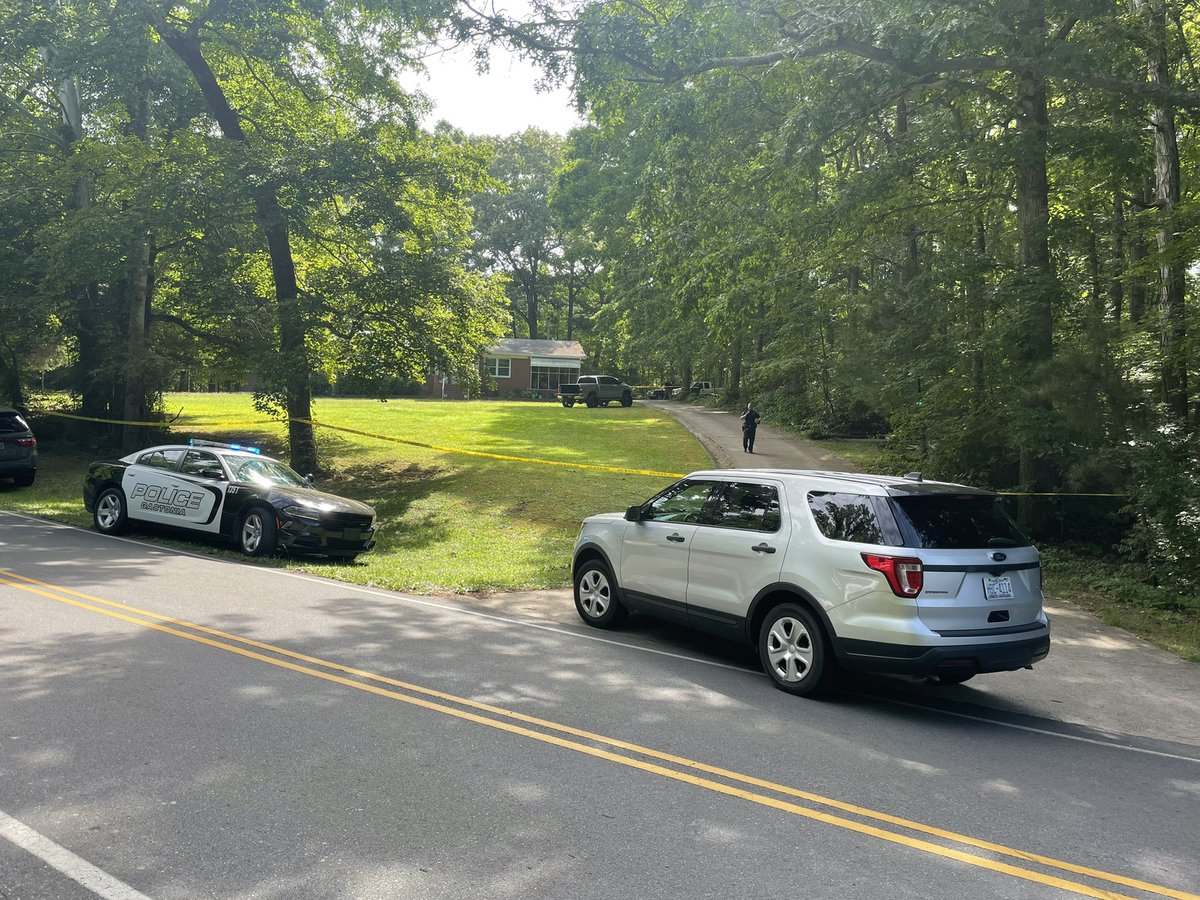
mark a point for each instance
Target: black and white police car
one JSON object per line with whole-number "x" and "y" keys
{"x": 226, "y": 490}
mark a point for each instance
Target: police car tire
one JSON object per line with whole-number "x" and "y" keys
{"x": 266, "y": 532}
{"x": 110, "y": 514}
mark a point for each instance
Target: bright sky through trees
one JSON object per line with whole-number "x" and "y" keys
{"x": 502, "y": 101}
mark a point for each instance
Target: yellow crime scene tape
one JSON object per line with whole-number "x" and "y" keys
{"x": 63, "y": 415}
{"x": 394, "y": 440}
{"x": 480, "y": 453}
{"x": 525, "y": 459}
{"x": 1051, "y": 494}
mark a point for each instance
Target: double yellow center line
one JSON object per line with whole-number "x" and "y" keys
{"x": 872, "y": 823}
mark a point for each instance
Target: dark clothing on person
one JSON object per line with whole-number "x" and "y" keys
{"x": 749, "y": 426}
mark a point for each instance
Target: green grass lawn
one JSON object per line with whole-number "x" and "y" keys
{"x": 451, "y": 522}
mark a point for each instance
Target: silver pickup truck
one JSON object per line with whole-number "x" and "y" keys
{"x": 595, "y": 390}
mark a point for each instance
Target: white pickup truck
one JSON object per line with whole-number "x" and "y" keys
{"x": 595, "y": 390}
{"x": 696, "y": 389}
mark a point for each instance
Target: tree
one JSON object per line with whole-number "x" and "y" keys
{"x": 241, "y": 184}
{"x": 517, "y": 230}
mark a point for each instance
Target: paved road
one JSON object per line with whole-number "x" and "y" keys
{"x": 174, "y": 726}
{"x": 1096, "y": 676}
{"x": 721, "y": 434}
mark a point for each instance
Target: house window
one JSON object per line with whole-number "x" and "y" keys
{"x": 548, "y": 378}
{"x": 499, "y": 368}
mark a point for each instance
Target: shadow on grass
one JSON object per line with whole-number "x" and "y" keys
{"x": 392, "y": 490}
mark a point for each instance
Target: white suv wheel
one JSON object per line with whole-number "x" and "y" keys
{"x": 595, "y": 593}
{"x": 596, "y": 598}
{"x": 794, "y": 651}
{"x": 790, "y": 649}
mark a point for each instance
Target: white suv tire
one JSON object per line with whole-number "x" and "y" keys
{"x": 596, "y": 598}
{"x": 795, "y": 651}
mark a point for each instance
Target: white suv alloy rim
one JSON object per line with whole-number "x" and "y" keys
{"x": 594, "y": 593}
{"x": 790, "y": 649}
{"x": 109, "y": 512}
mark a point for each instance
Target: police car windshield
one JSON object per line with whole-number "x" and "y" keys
{"x": 259, "y": 470}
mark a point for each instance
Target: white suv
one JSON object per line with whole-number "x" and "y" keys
{"x": 825, "y": 571}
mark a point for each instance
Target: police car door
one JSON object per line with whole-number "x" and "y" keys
{"x": 205, "y": 473}
{"x": 156, "y": 492}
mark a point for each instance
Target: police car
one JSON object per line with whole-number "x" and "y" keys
{"x": 226, "y": 490}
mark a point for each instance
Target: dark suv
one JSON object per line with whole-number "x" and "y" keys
{"x": 18, "y": 448}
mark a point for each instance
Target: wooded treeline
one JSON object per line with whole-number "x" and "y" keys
{"x": 241, "y": 188}
{"x": 974, "y": 222}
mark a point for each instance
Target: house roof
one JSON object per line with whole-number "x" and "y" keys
{"x": 526, "y": 347}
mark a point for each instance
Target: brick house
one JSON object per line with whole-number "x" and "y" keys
{"x": 519, "y": 365}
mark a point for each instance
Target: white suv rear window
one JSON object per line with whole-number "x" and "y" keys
{"x": 958, "y": 522}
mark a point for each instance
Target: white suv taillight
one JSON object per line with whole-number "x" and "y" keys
{"x": 904, "y": 574}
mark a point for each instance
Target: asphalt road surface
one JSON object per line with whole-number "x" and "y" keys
{"x": 720, "y": 433}
{"x": 173, "y": 726}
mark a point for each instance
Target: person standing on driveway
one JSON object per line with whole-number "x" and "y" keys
{"x": 749, "y": 426}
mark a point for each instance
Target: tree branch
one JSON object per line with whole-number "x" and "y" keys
{"x": 195, "y": 332}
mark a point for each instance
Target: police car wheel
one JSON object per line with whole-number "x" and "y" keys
{"x": 257, "y": 534}
{"x": 110, "y": 514}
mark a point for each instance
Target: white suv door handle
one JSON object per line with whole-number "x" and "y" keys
{"x": 764, "y": 547}
{"x": 675, "y": 538}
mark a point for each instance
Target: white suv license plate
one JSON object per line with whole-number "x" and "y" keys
{"x": 998, "y": 588}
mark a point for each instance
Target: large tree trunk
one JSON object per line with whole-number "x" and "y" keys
{"x": 1138, "y": 252}
{"x": 976, "y": 294}
{"x": 735, "y": 365}
{"x": 531, "y": 304}
{"x": 1033, "y": 246}
{"x": 531, "y": 312}
{"x": 137, "y": 305}
{"x": 912, "y": 258}
{"x": 571, "y": 306}
{"x": 10, "y": 375}
{"x": 1116, "y": 281}
{"x": 137, "y": 290}
{"x": 95, "y": 393}
{"x": 292, "y": 330}
{"x": 1167, "y": 190}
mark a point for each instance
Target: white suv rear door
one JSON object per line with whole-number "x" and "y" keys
{"x": 737, "y": 550}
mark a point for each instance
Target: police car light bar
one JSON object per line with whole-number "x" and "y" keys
{"x": 196, "y": 442}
